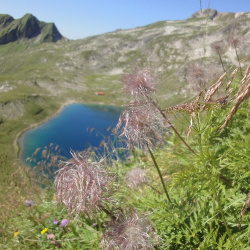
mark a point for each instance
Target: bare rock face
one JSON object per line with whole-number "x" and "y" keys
{"x": 12, "y": 110}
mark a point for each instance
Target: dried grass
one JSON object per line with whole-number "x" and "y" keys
{"x": 242, "y": 94}
{"x": 212, "y": 90}
{"x": 243, "y": 209}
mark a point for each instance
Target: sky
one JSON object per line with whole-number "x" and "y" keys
{"x": 76, "y": 19}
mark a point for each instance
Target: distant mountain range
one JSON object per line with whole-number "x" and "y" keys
{"x": 37, "y": 61}
{"x": 27, "y": 28}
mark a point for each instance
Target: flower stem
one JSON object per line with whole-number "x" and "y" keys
{"x": 177, "y": 133}
{"x": 170, "y": 124}
{"x": 238, "y": 60}
{"x": 159, "y": 172}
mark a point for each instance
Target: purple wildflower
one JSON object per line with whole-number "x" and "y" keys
{"x": 64, "y": 222}
{"x": 129, "y": 231}
{"x": 142, "y": 124}
{"x": 82, "y": 186}
{"x": 136, "y": 177}
{"x": 55, "y": 222}
{"x": 29, "y": 203}
{"x": 140, "y": 83}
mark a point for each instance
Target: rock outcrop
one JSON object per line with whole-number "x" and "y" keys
{"x": 207, "y": 13}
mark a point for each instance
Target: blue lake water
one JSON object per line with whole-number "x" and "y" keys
{"x": 76, "y": 128}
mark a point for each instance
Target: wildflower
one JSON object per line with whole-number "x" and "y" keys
{"x": 64, "y": 222}
{"x": 197, "y": 76}
{"x": 55, "y": 222}
{"x": 82, "y": 186}
{"x": 141, "y": 83}
{"x": 142, "y": 124}
{"x": 54, "y": 198}
{"x": 50, "y": 236}
{"x": 29, "y": 203}
{"x": 235, "y": 41}
{"x": 44, "y": 230}
{"x": 16, "y": 233}
{"x": 129, "y": 231}
{"x": 136, "y": 177}
{"x": 219, "y": 47}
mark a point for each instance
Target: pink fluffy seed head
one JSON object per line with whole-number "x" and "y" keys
{"x": 142, "y": 125}
{"x": 129, "y": 231}
{"x": 82, "y": 186}
{"x": 140, "y": 83}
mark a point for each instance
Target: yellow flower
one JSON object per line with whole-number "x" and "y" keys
{"x": 44, "y": 230}
{"x": 16, "y": 233}
{"x": 54, "y": 198}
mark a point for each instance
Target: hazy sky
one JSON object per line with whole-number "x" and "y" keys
{"x": 81, "y": 18}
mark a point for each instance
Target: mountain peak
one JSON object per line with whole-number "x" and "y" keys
{"x": 208, "y": 13}
{"x": 5, "y": 20}
{"x": 29, "y": 28}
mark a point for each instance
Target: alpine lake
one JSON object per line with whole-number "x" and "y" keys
{"x": 76, "y": 128}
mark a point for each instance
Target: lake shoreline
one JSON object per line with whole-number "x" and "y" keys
{"x": 18, "y": 136}
{"x": 18, "y": 143}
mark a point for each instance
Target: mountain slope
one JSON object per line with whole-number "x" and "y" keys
{"x": 28, "y": 27}
{"x": 78, "y": 69}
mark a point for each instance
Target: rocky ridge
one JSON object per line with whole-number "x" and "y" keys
{"x": 27, "y": 28}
